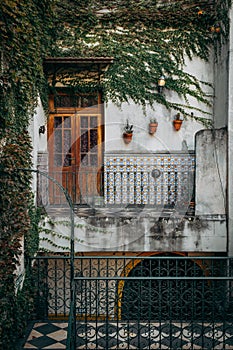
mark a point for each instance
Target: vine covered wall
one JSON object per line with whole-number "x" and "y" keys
{"x": 147, "y": 39}
{"x": 25, "y": 37}
{"x": 16, "y": 223}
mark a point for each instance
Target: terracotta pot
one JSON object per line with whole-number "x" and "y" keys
{"x": 127, "y": 137}
{"x": 177, "y": 124}
{"x": 152, "y": 128}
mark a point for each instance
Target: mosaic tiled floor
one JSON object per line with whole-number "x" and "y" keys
{"x": 173, "y": 336}
{"x": 47, "y": 336}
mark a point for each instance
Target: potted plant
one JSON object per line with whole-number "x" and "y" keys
{"x": 153, "y": 126}
{"x": 128, "y": 132}
{"x": 177, "y": 122}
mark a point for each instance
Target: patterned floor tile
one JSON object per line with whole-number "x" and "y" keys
{"x": 34, "y": 334}
{"x": 53, "y": 335}
{"x": 47, "y": 336}
{"x": 42, "y": 342}
{"x": 56, "y": 346}
{"x": 29, "y": 346}
{"x": 47, "y": 328}
{"x": 58, "y": 335}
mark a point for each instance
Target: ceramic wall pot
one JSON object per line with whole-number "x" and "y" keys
{"x": 177, "y": 124}
{"x": 127, "y": 137}
{"x": 152, "y": 128}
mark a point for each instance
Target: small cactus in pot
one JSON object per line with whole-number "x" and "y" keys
{"x": 128, "y": 132}
{"x": 153, "y": 126}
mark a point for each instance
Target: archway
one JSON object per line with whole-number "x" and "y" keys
{"x": 176, "y": 293}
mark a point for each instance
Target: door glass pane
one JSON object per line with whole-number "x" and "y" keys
{"x": 67, "y": 122}
{"x": 84, "y": 122}
{"x": 67, "y": 141}
{"x": 57, "y": 159}
{"x": 67, "y": 160}
{"x": 93, "y": 122}
{"x": 58, "y": 141}
{"x": 66, "y": 101}
{"x": 57, "y": 122}
{"x": 89, "y": 100}
{"x": 93, "y": 159}
{"x": 84, "y": 159}
{"x": 84, "y": 142}
{"x": 93, "y": 138}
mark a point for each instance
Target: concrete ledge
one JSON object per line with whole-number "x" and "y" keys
{"x": 136, "y": 233}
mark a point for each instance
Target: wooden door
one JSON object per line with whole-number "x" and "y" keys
{"x": 61, "y": 155}
{"x": 89, "y": 150}
{"x": 75, "y": 156}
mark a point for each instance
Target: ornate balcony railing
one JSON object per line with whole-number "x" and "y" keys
{"x": 142, "y": 302}
{"x": 153, "y": 180}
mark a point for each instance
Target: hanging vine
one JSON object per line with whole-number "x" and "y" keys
{"x": 146, "y": 39}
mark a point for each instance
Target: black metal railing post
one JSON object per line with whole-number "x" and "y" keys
{"x": 71, "y": 334}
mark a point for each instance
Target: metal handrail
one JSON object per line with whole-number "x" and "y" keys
{"x": 151, "y": 278}
{"x": 127, "y": 257}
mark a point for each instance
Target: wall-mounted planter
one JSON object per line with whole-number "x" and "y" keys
{"x": 177, "y": 122}
{"x": 153, "y": 128}
{"x": 127, "y": 137}
{"x": 128, "y": 132}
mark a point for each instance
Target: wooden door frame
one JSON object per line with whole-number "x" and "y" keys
{"x": 76, "y": 113}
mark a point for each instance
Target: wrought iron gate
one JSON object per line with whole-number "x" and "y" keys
{"x": 159, "y": 302}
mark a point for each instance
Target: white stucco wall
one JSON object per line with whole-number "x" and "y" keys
{"x": 143, "y": 232}
{"x": 221, "y": 88}
{"x": 210, "y": 197}
{"x": 39, "y": 141}
{"x": 166, "y": 138}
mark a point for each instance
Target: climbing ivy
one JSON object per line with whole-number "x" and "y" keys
{"x": 147, "y": 39}
{"x": 15, "y": 225}
{"x": 25, "y": 36}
